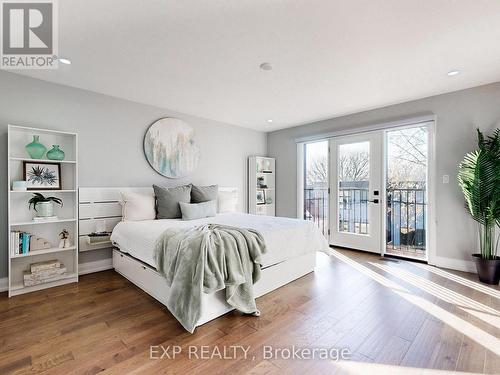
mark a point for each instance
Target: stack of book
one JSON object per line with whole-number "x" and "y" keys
{"x": 44, "y": 272}
{"x": 19, "y": 243}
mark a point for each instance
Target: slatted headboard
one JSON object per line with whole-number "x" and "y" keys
{"x": 99, "y": 208}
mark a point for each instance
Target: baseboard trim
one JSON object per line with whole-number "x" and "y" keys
{"x": 96, "y": 266}
{"x": 454, "y": 264}
{"x": 107, "y": 264}
{"x": 4, "y": 284}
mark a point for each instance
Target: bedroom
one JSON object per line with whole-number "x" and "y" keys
{"x": 268, "y": 101}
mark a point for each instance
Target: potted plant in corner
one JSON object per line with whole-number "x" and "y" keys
{"x": 45, "y": 204}
{"x": 479, "y": 179}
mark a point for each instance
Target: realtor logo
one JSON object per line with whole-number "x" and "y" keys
{"x": 29, "y": 34}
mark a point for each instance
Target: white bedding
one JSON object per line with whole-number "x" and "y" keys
{"x": 285, "y": 238}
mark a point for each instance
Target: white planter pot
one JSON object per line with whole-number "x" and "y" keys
{"x": 45, "y": 209}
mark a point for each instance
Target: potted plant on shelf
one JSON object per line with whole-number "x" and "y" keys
{"x": 479, "y": 179}
{"x": 45, "y": 204}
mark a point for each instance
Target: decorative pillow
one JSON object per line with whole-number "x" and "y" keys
{"x": 191, "y": 211}
{"x": 227, "y": 201}
{"x": 201, "y": 194}
{"x": 137, "y": 207}
{"x": 168, "y": 199}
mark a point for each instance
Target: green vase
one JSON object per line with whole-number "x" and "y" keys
{"x": 35, "y": 149}
{"x": 55, "y": 153}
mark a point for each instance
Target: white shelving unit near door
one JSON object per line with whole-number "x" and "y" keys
{"x": 261, "y": 185}
{"x": 20, "y": 218}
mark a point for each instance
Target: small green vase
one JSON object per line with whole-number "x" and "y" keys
{"x": 35, "y": 149}
{"x": 55, "y": 153}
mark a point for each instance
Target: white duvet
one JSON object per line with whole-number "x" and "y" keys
{"x": 285, "y": 238}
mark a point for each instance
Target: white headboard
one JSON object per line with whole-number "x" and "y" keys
{"x": 100, "y": 207}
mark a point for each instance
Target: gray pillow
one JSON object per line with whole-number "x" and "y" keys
{"x": 191, "y": 211}
{"x": 201, "y": 194}
{"x": 168, "y": 199}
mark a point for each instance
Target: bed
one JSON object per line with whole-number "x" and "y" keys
{"x": 291, "y": 247}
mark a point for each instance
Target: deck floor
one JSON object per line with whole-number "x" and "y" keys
{"x": 391, "y": 315}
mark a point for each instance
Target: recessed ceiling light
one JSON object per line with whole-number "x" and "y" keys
{"x": 64, "y": 61}
{"x": 266, "y": 66}
{"x": 452, "y": 73}
{"x": 269, "y": 121}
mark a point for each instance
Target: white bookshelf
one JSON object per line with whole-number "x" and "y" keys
{"x": 20, "y": 218}
{"x": 261, "y": 182}
{"x": 42, "y": 160}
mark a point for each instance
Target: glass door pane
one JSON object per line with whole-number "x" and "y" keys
{"x": 316, "y": 184}
{"x": 406, "y": 192}
{"x": 353, "y": 167}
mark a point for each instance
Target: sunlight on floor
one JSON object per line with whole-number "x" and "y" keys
{"x": 374, "y": 275}
{"x": 483, "y": 338}
{"x": 483, "y": 312}
{"x": 458, "y": 279}
{"x": 350, "y": 367}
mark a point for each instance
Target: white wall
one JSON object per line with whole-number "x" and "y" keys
{"x": 111, "y": 135}
{"x": 458, "y": 114}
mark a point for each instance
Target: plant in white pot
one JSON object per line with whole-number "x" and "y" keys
{"x": 479, "y": 179}
{"x": 44, "y": 206}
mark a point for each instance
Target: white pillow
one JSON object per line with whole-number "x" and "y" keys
{"x": 137, "y": 207}
{"x": 192, "y": 211}
{"x": 227, "y": 201}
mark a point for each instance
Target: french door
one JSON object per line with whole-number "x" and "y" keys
{"x": 356, "y": 170}
{"x": 369, "y": 191}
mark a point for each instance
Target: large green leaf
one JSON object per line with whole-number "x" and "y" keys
{"x": 479, "y": 179}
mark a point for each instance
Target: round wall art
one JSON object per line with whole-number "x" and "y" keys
{"x": 170, "y": 148}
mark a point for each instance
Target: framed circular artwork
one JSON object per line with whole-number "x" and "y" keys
{"x": 170, "y": 148}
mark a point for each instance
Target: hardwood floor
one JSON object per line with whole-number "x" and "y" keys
{"x": 394, "y": 314}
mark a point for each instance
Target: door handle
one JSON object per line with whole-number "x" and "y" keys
{"x": 374, "y": 201}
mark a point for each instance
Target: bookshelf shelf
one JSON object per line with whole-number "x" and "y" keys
{"x": 41, "y": 191}
{"x": 32, "y": 130}
{"x": 42, "y": 222}
{"x": 19, "y": 288}
{"x": 20, "y": 216}
{"x": 41, "y": 252}
{"x": 43, "y": 160}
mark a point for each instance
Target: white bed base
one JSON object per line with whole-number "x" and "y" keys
{"x": 101, "y": 205}
{"x": 212, "y": 305}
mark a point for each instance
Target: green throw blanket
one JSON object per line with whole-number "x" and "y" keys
{"x": 206, "y": 259}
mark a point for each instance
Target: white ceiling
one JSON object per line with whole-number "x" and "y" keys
{"x": 330, "y": 57}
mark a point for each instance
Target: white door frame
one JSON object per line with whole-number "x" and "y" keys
{"x": 431, "y": 122}
{"x": 300, "y": 179}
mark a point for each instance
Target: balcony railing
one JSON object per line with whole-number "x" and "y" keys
{"x": 406, "y": 221}
{"x": 353, "y": 210}
{"x": 316, "y": 207}
{"x": 406, "y": 215}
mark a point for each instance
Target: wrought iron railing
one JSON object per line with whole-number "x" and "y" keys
{"x": 406, "y": 214}
{"x": 406, "y": 218}
{"x": 353, "y": 210}
{"x": 316, "y": 207}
